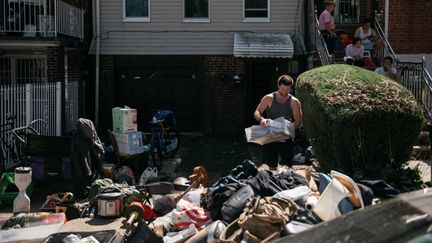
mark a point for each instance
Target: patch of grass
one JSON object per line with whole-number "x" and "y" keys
{"x": 350, "y": 89}
{"x": 217, "y": 154}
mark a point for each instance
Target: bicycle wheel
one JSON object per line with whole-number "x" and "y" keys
{"x": 156, "y": 154}
{"x": 171, "y": 144}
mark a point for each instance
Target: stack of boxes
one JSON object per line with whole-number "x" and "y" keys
{"x": 129, "y": 140}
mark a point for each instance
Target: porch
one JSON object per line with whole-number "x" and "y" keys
{"x": 41, "y": 18}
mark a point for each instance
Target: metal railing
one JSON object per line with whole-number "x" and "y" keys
{"x": 22, "y": 69}
{"x": 45, "y": 18}
{"x": 321, "y": 46}
{"x": 412, "y": 75}
{"x": 40, "y": 101}
{"x": 347, "y": 12}
{"x": 383, "y": 48}
{"x": 415, "y": 77}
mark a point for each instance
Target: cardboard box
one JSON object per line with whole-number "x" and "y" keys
{"x": 129, "y": 137}
{"x": 124, "y": 119}
{"x": 129, "y": 143}
{"x": 130, "y": 148}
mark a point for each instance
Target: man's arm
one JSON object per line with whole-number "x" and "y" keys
{"x": 262, "y": 106}
{"x": 391, "y": 72}
{"x": 297, "y": 112}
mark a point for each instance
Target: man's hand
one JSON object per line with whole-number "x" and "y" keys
{"x": 264, "y": 122}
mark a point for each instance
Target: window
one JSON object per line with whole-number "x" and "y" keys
{"x": 22, "y": 69}
{"x": 347, "y": 12}
{"x": 256, "y": 10}
{"x": 136, "y": 10}
{"x": 196, "y": 10}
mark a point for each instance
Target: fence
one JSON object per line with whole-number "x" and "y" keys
{"x": 39, "y": 101}
{"x": 415, "y": 77}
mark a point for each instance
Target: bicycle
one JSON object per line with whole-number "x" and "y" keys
{"x": 13, "y": 141}
{"x": 164, "y": 141}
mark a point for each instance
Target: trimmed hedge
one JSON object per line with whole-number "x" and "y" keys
{"x": 358, "y": 122}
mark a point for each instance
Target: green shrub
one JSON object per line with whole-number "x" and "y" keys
{"x": 358, "y": 122}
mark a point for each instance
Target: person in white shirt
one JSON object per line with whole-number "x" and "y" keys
{"x": 367, "y": 35}
{"x": 387, "y": 68}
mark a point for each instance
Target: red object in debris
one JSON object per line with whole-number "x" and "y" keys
{"x": 138, "y": 210}
{"x": 149, "y": 214}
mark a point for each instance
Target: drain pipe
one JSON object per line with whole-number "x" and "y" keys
{"x": 310, "y": 38}
{"x": 97, "y": 62}
{"x": 386, "y": 17}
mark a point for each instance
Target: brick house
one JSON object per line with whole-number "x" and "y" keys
{"x": 409, "y": 30}
{"x": 208, "y": 61}
{"x": 44, "y": 41}
{"x": 38, "y": 43}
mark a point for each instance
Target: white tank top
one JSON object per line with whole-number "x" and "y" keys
{"x": 364, "y": 36}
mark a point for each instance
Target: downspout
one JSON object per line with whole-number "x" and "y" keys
{"x": 97, "y": 62}
{"x": 386, "y": 17}
{"x": 310, "y": 37}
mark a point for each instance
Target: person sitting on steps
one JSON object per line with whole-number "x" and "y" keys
{"x": 367, "y": 35}
{"x": 354, "y": 53}
{"x": 387, "y": 68}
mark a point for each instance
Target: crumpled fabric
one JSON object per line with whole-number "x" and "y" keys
{"x": 218, "y": 194}
{"x": 89, "y": 131}
{"x": 265, "y": 183}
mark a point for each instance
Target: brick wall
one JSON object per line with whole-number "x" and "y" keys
{"x": 224, "y": 103}
{"x": 74, "y": 65}
{"x": 106, "y": 92}
{"x": 409, "y": 26}
{"x": 55, "y": 63}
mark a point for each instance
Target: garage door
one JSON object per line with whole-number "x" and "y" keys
{"x": 170, "y": 87}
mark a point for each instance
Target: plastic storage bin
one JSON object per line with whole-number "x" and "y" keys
{"x": 40, "y": 227}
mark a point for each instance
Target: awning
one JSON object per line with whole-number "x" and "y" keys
{"x": 273, "y": 45}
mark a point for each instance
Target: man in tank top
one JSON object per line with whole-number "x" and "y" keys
{"x": 277, "y": 104}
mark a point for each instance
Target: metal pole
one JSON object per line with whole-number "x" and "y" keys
{"x": 29, "y": 102}
{"x": 58, "y": 108}
{"x": 97, "y": 62}
{"x": 386, "y": 17}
